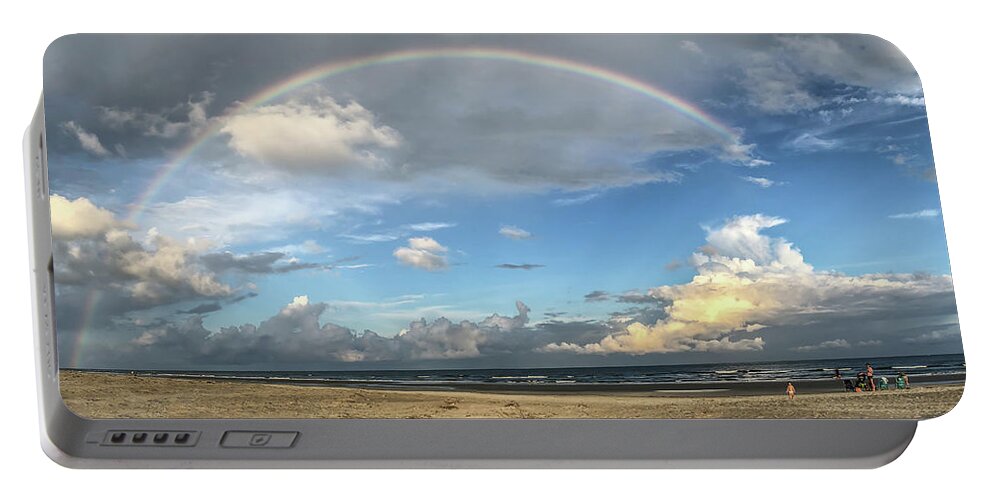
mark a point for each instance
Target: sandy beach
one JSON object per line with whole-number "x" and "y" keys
{"x": 102, "y": 395}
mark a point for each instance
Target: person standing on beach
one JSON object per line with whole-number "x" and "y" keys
{"x": 790, "y": 390}
{"x": 868, "y": 374}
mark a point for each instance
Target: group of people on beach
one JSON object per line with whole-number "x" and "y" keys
{"x": 864, "y": 381}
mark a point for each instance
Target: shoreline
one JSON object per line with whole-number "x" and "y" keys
{"x": 110, "y": 395}
{"x": 675, "y": 389}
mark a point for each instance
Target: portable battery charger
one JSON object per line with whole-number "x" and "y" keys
{"x": 486, "y": 251}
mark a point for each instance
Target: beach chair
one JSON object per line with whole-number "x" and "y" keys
{"x": 884, "y": 384}
{"x": 900, "y": 384}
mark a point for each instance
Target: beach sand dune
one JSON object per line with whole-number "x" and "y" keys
{"x": 101, "y": 395}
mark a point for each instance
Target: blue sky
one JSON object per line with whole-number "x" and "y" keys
{"x": 492, "y": 213}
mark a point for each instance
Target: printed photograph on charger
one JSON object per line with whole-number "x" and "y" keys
{"x": 499, "y": 226}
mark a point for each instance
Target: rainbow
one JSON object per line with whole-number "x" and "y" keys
{"x": 330, "y": 69}
{"x": 89, "y": 308}
{"x": 333, "y": 68}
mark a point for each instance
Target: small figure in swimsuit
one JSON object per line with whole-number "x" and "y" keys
{"x": 790, "y": 390}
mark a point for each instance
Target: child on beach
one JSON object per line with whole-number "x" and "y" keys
{"x": 790, "y": 390}
{"x": 868, "y": 374}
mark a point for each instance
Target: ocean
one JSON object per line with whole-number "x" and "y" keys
{"x": 744, "y": 377}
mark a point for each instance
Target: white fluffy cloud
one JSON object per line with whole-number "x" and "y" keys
{"x": 320, "y": 136}
{"x": 87, "y": 140}
{"x": 423, "y": 253}
{"x": 747, "y": 281}
{"x": 80, "y": 218}
{"x": 94, "y": 249}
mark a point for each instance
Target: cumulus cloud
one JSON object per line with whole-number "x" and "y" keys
{"x": 80, "y": 218}
{"x": 423, "y": 253}
{"x": 318, "y": 136}
{"x": 159, "y": 271}
{"x": 515, "y": 233}
{"x": 93, "y": 249}
{"x": 87, "y": 140}
{"x": 296, "y": 335}
{"x": 747, "y": 281}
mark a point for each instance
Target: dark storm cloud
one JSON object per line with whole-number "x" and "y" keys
{"x": 161, "y": 89}
{"x": 295, "y": 338}
{"x": 295, "y": 335}
{"x": 159, "y": 83}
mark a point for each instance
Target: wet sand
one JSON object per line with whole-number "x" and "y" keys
{"x": 104, "y": 395}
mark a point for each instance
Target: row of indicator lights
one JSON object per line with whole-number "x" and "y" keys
{"x": 142, "y": 437}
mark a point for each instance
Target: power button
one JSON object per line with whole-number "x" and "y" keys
{"x": 258, "y": 439}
